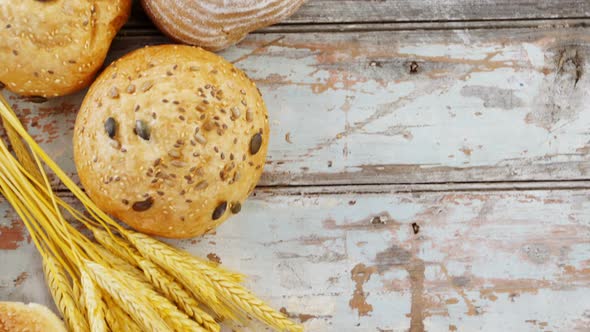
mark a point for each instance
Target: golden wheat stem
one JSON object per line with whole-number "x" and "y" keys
{"x": 126, "y": 292}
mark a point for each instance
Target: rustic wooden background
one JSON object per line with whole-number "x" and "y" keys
{"x": 428, "y": 168}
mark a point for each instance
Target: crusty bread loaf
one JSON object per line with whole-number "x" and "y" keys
{"x": 171, "y": 140}
{"x": 52, "y": 48}
{"x": 216, "y": 24}
{"x": 32, "y": 317}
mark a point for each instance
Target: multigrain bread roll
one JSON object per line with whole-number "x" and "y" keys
{"x": 20, "y": 317}
{"x": 171, "y": 140}
{"x": 216, "y": 24}
{"x": 53, "y": 48}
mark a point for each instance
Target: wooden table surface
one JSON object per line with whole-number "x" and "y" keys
{"x": 428, "y": 170}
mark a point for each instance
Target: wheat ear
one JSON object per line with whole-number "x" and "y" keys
{"x": 126, "y": 293}
{"x": 173, "y": 317}
{"x": 180, "y": 268}
{"x": 231, "y": 293}
{"x": 177, "y": 294}
{"x": 161, "y": 281}
{"x": 119, "y": 264}
{"x": 95, "y": 306}
{"x": 117, "y": 246}
{"x": 63, "y": 295}
{"x": 118, "y": 319}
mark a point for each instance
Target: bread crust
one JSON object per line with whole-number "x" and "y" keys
{"x": 162, "y": 175}
{"x": 216, "y": 24}
{"x": 32, "y": 317}
{"x": 58, "y": 49}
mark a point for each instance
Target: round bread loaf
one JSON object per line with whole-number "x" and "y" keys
{"x": 53, "y": 48}
{"x": 171, "y": 139}
{"x": 216, "y": 24}
{"x": 32, "y": 317}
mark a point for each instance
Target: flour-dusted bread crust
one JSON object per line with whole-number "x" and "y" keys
{"x": 53, "y": 48}
{"x": 32, "y": 317}
{"x": 216, "y": 24}
{"x": 171, "y": 140}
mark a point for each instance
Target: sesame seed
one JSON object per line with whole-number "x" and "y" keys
{"x": 131, "y": 88}
{"x": 200, "y": 138}
{"x": 114, "y": 92}
{"x": 146, "y": 86}
{"x": 235, "y": 112}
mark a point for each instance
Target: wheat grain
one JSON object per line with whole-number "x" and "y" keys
{"x": 79, "y": 298}
{"x": 126, "y": 292}
{"x": 166, "y": 285}
{"x": 63, "y": 296}
{"x": 95, "y": 306}
{"x": 118, "y": 319}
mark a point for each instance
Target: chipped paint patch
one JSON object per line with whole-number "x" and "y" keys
{"x": 360, "y": 274}
{"x": 11, "y": 236}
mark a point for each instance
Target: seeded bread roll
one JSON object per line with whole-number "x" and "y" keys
{"x": 171, "y": 140}
{"x": 216, "y": 24}
{"x": 53, "y": 48}
{"x": 32, "y": 317}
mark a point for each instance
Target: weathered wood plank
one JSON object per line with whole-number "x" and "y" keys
{"x": 403, "y": 106}
{"x": 480, "y": 261}
{"x": 367, "y": 11}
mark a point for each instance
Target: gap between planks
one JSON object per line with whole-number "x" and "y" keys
{"x": 504, "y": 186}
{"x": 574, "y": 22}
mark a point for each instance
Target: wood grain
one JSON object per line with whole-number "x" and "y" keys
{"x": 402, "y": 106}
{"x": 369, "y": 259}
{"x": 371, "y": 11}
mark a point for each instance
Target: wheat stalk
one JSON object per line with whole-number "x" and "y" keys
{"x": 94, "y": 304}
{"x": 177, "y": 294}
{"x": 125, "y": 292}
{"x": 118, "y": 319}
{"x": 63, "y": 295}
